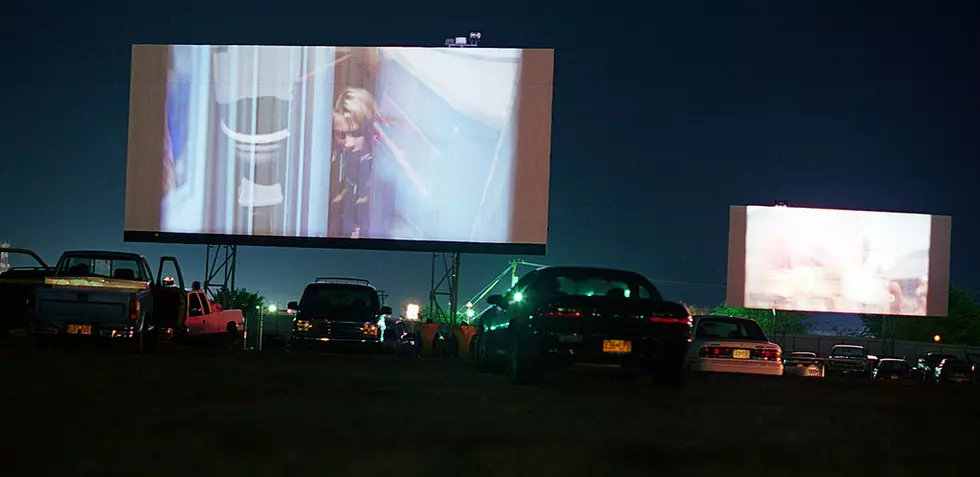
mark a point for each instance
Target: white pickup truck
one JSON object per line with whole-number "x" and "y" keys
{"x": 113, "y": 295}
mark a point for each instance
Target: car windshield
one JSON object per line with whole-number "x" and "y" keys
{"x": 891, "y": 366}
{"x": 848, "y": 352}
{"x": 803, "y": 354}
{"x": 123, "y": 269}
{"x": 593, "y": 282}
{"x": 730, "y": 328}
{"x": 351, "y": 300}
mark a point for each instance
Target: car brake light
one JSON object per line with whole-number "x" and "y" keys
{"x": 134, "y": 309}
{"x": 767, "y": 354}
{"x": 714, "y": 351}
{"x": 669, "y": 319}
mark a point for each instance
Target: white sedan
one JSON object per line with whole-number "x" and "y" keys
{"x": 729, "y": 344}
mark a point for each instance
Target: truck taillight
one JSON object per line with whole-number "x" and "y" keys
{"x": 134, "y": 309}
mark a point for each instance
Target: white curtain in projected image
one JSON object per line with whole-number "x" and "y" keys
{"x": 236, "y": 117}
{"x": 390, "y": 143}
{"x": 837, "y": 260}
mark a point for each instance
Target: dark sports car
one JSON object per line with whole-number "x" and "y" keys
{"x": 556, "y": 316}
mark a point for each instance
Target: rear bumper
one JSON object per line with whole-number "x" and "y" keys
{"x": 300, "y": 337}
{"x": 742, "y": 366}
{"x": 98, "y": 330}
{"x": 589, "y": 349}
{"x": 846, "y": 368}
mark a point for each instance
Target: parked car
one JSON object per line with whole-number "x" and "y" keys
{"x": 849, "y": 360}
{"x": 893, "y": 369}
{"x": 339, "y": 310}
{"x": 17, "y": 292}
{"x": 559, "y": 316}
{"x": 803, "y": 363}
{"x": 953, "y": 370}
{"x": 925, "y": 368}
{"x": 731, "y": 344}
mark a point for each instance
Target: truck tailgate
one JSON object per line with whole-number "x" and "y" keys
{"x": 92, "y": 301}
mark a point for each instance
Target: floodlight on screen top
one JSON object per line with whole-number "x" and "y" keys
{"x": 440, "y": 149}
{"x": 839, "y": 261}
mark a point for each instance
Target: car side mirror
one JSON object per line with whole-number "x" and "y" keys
{"x": 497, "y": 300}
{"x": 386, "y": 310}
{"x": 292, "y": 305}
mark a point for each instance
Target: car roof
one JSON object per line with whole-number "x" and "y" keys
{"x": 701, "y": 317}
{"x": 559, "y": 269}
{"x": 882, "y": 360}
{"x": 848, "y": 346}
{"x": 101, "y": 254}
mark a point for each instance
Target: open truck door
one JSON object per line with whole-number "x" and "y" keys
{"x": 17, "y": 287}
{"x": 169, "y": 298}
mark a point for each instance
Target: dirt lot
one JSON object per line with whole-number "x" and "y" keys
{"x": 214, "y": 412}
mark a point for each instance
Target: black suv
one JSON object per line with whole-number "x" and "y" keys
{"x": 342, "y": 310}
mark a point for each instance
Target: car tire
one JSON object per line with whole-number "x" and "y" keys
{"x": 523, "y": 366}
{"x": 483, "y": 362}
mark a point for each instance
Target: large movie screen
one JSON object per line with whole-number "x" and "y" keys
{"x": 365, "y": 147}
{"x": 839, "y": 261}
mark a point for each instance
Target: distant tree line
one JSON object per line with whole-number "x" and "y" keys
{"x": 961, "y": 326}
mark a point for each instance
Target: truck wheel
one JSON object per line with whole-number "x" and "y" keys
{"x": 147, "y": 340}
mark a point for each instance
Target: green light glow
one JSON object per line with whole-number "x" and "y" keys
{"x": 518, "y": 296}
{"x": 470, "y": 313}
{"x": 626, "y": 293}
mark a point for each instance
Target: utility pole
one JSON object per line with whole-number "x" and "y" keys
{"x": 383, "y": 296}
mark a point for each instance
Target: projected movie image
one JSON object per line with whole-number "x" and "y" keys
{"x": 424, "y": 144}
{"x": 837, "y": 260}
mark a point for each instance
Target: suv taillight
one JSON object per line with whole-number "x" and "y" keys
{"x": 134, "y": 309}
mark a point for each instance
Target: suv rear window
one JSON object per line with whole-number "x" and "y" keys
{"x": 349, "y": 300}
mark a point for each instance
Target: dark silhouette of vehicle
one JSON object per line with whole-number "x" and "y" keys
{"x": 556, "y": 316}
{"x": 955, "y": 371}
{"x": 848, "y": 360}
{"x": 109, "y": 295}
{"x": 17, "y": 287}
{"x": 803, "y": 363}
{"x": 892, "y": 369}
{"x": 339, "y": 310}
{"x": 925, "y": 367}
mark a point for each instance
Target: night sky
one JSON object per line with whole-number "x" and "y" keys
{"x": 663, "y": 117}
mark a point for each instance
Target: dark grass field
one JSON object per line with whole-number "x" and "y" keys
{"x": 214, "y": 412}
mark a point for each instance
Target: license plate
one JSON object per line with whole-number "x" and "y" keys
{"x": 799, "y": 366}
{"x": 617, "y": 346}
{"x": 894, "y": 377}
{"x": 741, "y": 354}
{"x": 79, "y": 329}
